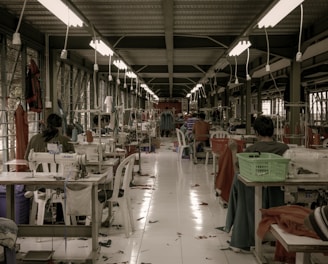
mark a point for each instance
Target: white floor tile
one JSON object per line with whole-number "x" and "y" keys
{"x": 176, "y": 213}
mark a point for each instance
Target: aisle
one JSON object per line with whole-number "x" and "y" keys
{"x": 176, "y": 212}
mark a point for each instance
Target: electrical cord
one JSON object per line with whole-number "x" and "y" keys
{"x": 110, "y": 77}
{"x": 267, "y": 66}
{"x": 63, "y": 54}
{"x": 236, "y": 66}
{"x": 299, "y": 53}
{"x": 247, "y": 61}
{"x": 21, "y": 17}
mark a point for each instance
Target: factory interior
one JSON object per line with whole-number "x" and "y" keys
{"x": 131, "y": 131}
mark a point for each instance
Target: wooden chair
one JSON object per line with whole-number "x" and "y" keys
{"x": 121, "y": 192}
{"x": 182, "y": 144}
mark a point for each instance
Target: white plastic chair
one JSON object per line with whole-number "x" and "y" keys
{"x": 325, "y": 143}
{"x": 121, "y": 191}
{"x": 182, "y": 144}
{"x": 40, "y": 199}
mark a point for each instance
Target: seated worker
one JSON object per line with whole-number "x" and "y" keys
{"x": 201, "y": 132}
{"x": 50, "y": 134}
{"x": 240, "y": 215}
{"x": 39, "y": 143}
{"x": 104, "y": 123}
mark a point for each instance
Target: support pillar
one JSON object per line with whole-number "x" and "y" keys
{"x": 295, "y": 99}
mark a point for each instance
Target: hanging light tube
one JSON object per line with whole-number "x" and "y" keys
{"x": 278, "y": 12}
{"x": 101, "y": 47}
{"x": 131, "y": 74}
{"x": 58, "y": 8}
{"x": 120, "y": 64}
{"x": 240, "y": 47}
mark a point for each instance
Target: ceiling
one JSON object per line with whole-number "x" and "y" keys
{"x": 174, "y": 44}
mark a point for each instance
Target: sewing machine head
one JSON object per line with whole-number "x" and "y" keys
{"x": 307, "y": 163}
{"x": 93, "y": 151}
{"x": 61, "y": 164}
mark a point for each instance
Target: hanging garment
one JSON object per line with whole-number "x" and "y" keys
{"x": 21, "y": 135}
{"x": 166, "y": 122}
{"x": 33, "y": 90}
{"x": 227, "y": 168}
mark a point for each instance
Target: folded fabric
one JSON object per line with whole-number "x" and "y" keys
{"x": 8, "y": 232}
{"x": 290, "y": 218}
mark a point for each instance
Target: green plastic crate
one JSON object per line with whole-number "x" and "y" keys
{"x": 263, "y": 167}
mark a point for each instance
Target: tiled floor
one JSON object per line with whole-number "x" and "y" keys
{"x": 176, "y": 214}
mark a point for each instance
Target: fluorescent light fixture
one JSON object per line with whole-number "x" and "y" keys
{"x": 131, "y": 74}
{"x": 120, "y": 64}
{"x": 278, "y": 12}
{"x": 188, "y": 95}
{"x": 101, "y": 47}
{"x": 63, "y": 12}
{"x": 146, "y": 88}
{"x": 241, "y": 46}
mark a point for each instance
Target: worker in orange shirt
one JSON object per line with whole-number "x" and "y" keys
{"x": 201, "y": 132}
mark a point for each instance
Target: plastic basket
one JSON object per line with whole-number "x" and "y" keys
{"x": 263, "y": 167}
{"x": 219, "y": 144}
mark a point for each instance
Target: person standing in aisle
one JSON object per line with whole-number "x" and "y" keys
{"x": 167, "y": 122}
{"x": 201, "y": 132}
{"x": 240, "y": 216}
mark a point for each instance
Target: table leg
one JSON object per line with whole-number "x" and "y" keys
{"x": 303, "y": 258}
{"x": 95, "y": 222}
{"x": 257, "y": 218}
{"x": 10, "y": 202}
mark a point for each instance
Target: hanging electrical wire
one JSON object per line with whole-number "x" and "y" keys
{"x": 63, "y": 54}
{"x": 248, "y": 77}
{"x": 95, "y": 70}
{"x": 299, "y": 53}
{"x": 124, "y": 85}
{"x": 267, "y": 66}
{"x": 236, "y": 66}
{"x": 110, "y": 77}
{"x": 230, "y": 78}
{"x": 16, "y": 36}
{"x": 202, "y": 91}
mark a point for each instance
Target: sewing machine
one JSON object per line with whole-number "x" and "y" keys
{"x": 61, "y": 164}
{"x": 307, "y": 163}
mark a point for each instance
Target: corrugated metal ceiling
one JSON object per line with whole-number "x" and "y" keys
{"x": 172, "y": 45}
